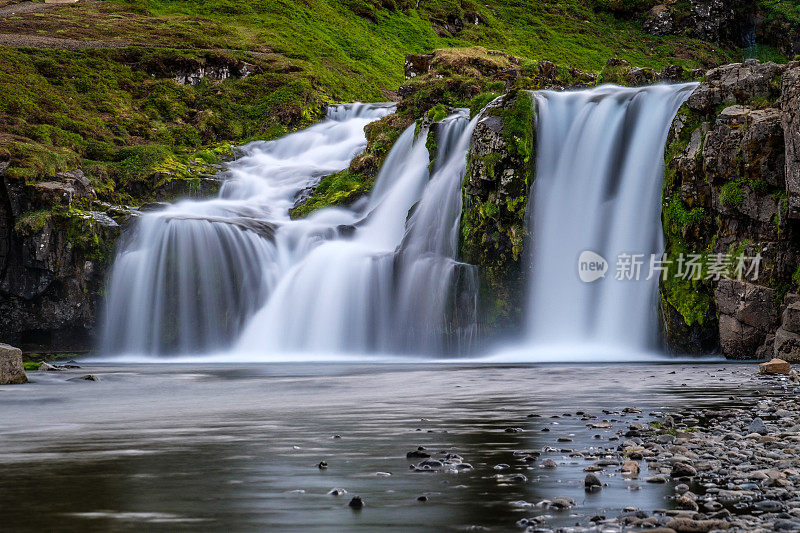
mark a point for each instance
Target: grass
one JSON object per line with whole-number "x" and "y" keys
{"x": 117, "y": 113}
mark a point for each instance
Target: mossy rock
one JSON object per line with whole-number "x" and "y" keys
{"x": 493, "y": 223}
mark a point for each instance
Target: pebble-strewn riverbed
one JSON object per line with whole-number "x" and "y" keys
{"x": 426, "y": 448}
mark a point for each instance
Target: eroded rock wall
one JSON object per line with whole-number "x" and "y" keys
{"x": 731, "y": 188}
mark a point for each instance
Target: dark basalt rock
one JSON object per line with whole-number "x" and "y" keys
{"x": 730, "y": 187}
{"x": 493, "y": 226}
{"x": 53, "y": 251}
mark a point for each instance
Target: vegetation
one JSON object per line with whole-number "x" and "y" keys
{"x": 118, "y": 114}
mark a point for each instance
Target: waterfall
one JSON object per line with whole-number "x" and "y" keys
{"x": 599, "y": 174}
{"x": 236, "y": 274}
{"x": 385, "y": 287}
{"x": 188, "y": 277}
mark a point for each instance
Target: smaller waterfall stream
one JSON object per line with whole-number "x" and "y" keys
{"x": 385, "y": 287}
{"x": 599, "y": 173}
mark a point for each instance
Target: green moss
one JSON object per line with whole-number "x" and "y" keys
{"x": 341, "y": 188}
{"x": 32, "y": 222}
{"x": 731, "y": 194}
{"x": 677, "y": 219}
{"x": 615, "y": 74}
{"x": 518, "y": 130}
{"x": 690, "y": 298}
{"x": 31, "y": 366}
{"x": 477, "y": 103}
{"x": 517, "y": 127}
{"x": 88, "y": 236}
{"x": 437, "y": 113}
{"x": 348, "y": 185}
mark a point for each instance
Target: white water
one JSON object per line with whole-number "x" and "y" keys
{"x": 599, "y": 174}
{"x": 235, "y": 274}
{"x": 234, "y": 278}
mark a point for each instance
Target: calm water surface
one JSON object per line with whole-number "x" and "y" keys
{"x": 209, "y": 447}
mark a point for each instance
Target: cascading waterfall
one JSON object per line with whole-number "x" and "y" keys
{"x": 599, "y": 173}
{"x": 235, "y": 273}
{"x": 386, "y": 287}
{"x": 188, "y": 278}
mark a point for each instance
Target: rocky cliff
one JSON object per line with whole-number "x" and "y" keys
{"x": 731, "y": 191}
{"x": 749, "y": 24}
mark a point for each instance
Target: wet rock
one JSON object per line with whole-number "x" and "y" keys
{"x": 322, "y": 465}
{"x": 11, "y": 370}
{"x": 356, "y": 503}
{"x": 775, "y": 366}
{"x": 683, "y": 470}
{"x": 630, "y": 468}
{"x": 422, "y": 498}
{"x": 562, "y": 503}
{"x": 591, "y": 482}
{"x": 549, "y": 463}
{"x": 87, "y": 377}
{"x": 686, "y": 503}
{"x": 417, "y": 454}
{"x": 770, "y": 506}
{"x": 337, "y": 491}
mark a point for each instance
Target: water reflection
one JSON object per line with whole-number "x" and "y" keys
{"x": 171, "y": 447}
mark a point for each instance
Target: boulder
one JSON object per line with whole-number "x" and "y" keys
{"x": 790, "y": 321}
{"x": 787, "y": 345}
{"x": 737, "y": 83}
{"x": 592, "y": 482}
{"x": 757, "y": 426}
{"x": 775, "y": 366}
{"x": 747, "y": 314}
{"x": 11, "y": 370}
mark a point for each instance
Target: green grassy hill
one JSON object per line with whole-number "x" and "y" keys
{"x": 116, "y": 112}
